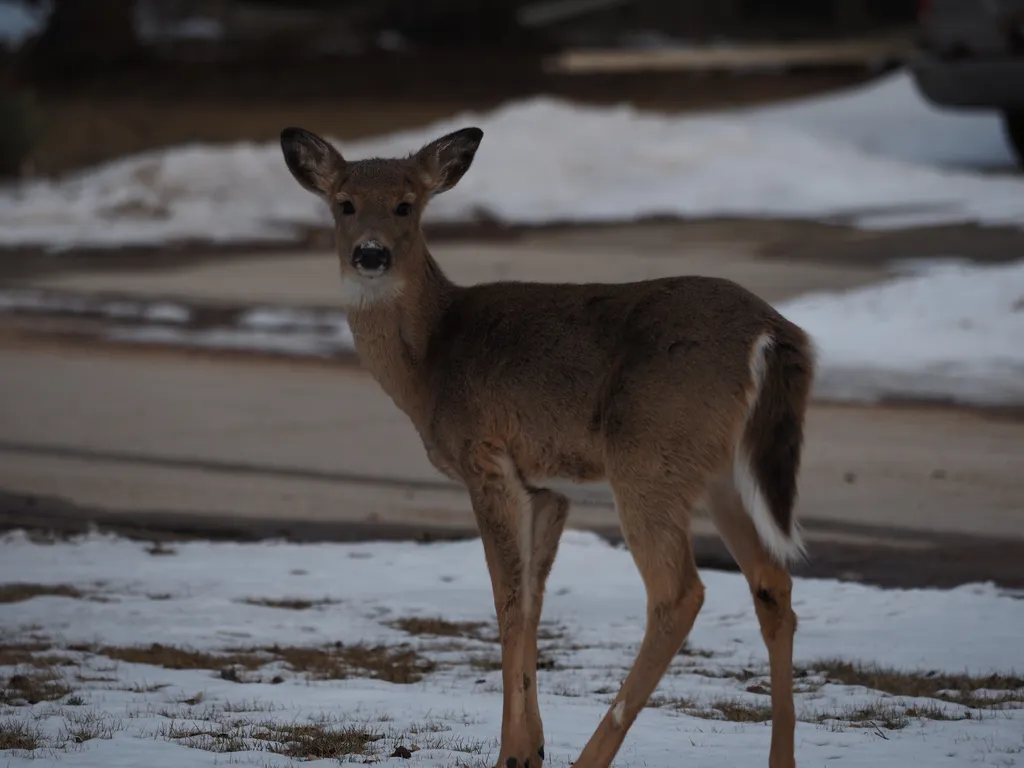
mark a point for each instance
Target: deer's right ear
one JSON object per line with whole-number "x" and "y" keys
{"x": 314, "y": 163}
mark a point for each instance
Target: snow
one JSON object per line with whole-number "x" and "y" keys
{"x": 876, "y": 156}
{"x": 946, "y": 331}
{"x": 193, "y": 597}
{"x": 21, "y": 20}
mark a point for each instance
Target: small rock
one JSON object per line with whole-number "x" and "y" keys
{"x": 938, "y": 474}
{"x": 277, "y": 680}
{"x": 402, "y": 752}
{"x": 850, "y": 478}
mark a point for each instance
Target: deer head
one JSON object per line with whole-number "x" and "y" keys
{"x": 377, "y": 204}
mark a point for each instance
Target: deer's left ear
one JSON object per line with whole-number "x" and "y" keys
{"x": 445, "y": 160}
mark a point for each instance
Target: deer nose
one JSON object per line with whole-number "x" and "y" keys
{"x": 371, "y": 257}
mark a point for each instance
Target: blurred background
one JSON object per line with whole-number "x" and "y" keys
{"x": 173, "y": 361}
{"x": 111, "y": 76}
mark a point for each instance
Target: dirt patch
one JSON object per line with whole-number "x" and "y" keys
{"x": 20, "y": 592}
{"x": 15, "y": 654}
{"x": 290, "y": 604}
{"x": 335, "y": 662}
{"x": 33, "y": 686}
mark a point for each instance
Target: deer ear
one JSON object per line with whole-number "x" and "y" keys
{"x": 445, "y": 160}
{"x": 314, "y": 163}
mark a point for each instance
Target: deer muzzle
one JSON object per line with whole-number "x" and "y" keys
{"x": 371, "y": 258}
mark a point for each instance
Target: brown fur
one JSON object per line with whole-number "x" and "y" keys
{"x": 650, "y": 385}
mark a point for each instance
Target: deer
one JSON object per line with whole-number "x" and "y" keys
{"x": 682, "y": 393}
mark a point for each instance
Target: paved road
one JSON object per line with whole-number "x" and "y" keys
{"x": 163, "y": 440}
{"x": 280, "y": 446}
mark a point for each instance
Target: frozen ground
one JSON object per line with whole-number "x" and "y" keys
{"x": 301, "y": 649}
{"x": 876, "y": 156}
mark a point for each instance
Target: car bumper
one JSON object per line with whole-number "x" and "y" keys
{"x": 989, "y": 83}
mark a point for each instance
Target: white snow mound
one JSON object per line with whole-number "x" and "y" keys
{"x": 875, "y": 156}
{"x": 952, "y": 332}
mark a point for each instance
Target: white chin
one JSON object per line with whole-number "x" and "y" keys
{"x": 362, "y": 289}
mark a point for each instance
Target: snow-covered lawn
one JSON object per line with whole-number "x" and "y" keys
{"x": 371, "y": 647}
{"x": 877, "y": 155}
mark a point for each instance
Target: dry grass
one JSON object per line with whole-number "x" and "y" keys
{"x": 733, "y": 710}
{"x": 80, "y": 727}
{"x": 888, "y": 714}
{"x": 437, "y": 627}
{"x": 962, "y": 689}
{"x": 319, "y": 739}
{"x": 336, "y": 662}
{"x": 20, "y": 735}
{"x": 290, "y": 604}
{"x": 223, "y": 730}
{"x": 18, "y": 592}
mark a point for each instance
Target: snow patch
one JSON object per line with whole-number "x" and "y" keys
{"x": 944, "y": 331}
{"x": 876, "y": 156}
{"x": 199, "y": 595}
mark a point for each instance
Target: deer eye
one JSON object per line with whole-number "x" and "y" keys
{"x": 347, "y": 208}
{"x": 403, "y": 209}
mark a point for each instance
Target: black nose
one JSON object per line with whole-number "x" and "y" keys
{"x": 372, "y": 257}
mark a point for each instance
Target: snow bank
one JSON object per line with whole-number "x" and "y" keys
{"x": 952, "y": 332}
{"x": 876, "y": 156}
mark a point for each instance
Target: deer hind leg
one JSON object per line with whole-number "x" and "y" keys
{"x": 771, "y": 588}
{"x": 656, "y": 526}
{"x": 510, "y": 516}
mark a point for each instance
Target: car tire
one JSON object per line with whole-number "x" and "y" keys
{"x": 1013, "y": 122}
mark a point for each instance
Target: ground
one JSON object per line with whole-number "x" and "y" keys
{"x": 119, "y": 653}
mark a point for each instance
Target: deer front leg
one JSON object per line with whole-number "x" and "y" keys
{"x": 504, "y": 512}
{"x": 550, "y": 511}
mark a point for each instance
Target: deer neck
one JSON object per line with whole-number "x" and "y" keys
{"x": 392, "y": 336}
